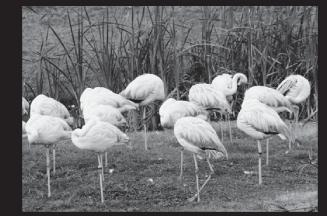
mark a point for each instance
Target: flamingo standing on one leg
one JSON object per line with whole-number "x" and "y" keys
{"x": 261, "y": 122}
{"x": 105, "y": 113}
{"x": 99, "y": 136}
{"x": 47, "y": 131}
{"x": 272, "y": 98}
{"x": 91, "y": 99}
{"x": 197, "y": 136}
{"x": 227, "y": 84}
{"x": 144, "y": 90}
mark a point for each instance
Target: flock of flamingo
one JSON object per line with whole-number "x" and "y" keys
{"x": 102, "y": 109}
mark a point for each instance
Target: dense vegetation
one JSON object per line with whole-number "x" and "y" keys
{"x": 66, "y": 49}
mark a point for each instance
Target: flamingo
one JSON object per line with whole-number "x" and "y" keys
{"x": 43, "y": 105}
{"x": 227, "y": 84}
{"x": 172, "y": 110}
{"x": 25, "y": 106}
{"x": 47, "y": 131}
{"x": 296, "y": 89}
{"x": 260, "y": 121}
{"x": 101, "y": 95}
{"x": 207, "y": 97}
{"x": 197, "y": 136}
{"x": 105, "y": 113}
{"x": 272, "y": 98}
{"x": 144, "y": 90}
{"x": 99, "y": 136}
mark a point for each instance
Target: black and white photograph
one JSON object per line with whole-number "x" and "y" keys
{"x": 169, "y": 108}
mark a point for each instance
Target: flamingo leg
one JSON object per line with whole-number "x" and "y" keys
{"x": 48, "y": 169}
{"x": 106, "y": 159}
{"x": 196, "y": 178}
{"x": 145, "y": 137}
{"x": 296, "y": 123}
{"x": 221, "y": 129}
{"x": 267, "y": 152}
{"x": 102, "y": 171}
{"x": 259, "y": 162}
{"x": 230, "y": 129}
{"x": 54, "y": 159}
{"x": 99, "y": 162}
{"x": 100, "y": 177}
{"x": 182, "y": 160}
{"x": 206, "y": 181}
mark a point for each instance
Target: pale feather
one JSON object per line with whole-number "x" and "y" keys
{"x": 194, "y": 133}
{"x": 206, "y": 96}
{"x": 98, "y": 136}
{"x": 269, "y": 96}
{"x": 257, "y": 119}
{"x": 103, "y": 96}
{"x": 104, "y": 113}
{"x": 172, "y": 110}
{"x": 296, "y": 88}
{"x": 43, "y": 129}
{"x": 222, "y": 82}
{"x": 146, "y": 87}
{"x": 43, "y": 105}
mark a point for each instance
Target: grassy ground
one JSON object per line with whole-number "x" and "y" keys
{"x": 75, "y": 186}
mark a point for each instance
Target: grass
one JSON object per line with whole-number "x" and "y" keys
{"x": 75, "y": 186}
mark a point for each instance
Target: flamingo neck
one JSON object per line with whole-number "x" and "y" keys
{"x": 231, "y": 91}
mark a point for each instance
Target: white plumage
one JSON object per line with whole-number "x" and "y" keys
{"x": 272, "y": 98}
{"x": 105, "y": 113}
{"x": 269, "y": 96}
{"x": 144, "y": 90}
{"x": 103, "y": 96}
{"x": 260, "y": 122}
{"x": 296, "y": 88}
{"x": 197, "y": 136}
{"x": 206, "y": 96}
{"x": 25, "y": 106}
{"x": 99, "y": 137}
{"x": 43, "y": 129}
{"x": 47, "y": 130}
{"x": 228, "y": 84}
{"x": 43, "y": 105}
{"x": 172, "y": 110}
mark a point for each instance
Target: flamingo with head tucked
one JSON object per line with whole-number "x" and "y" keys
{"x": 198, "y": 137}
{"x": 260, "y": 121}
{"x": 99, "y": 137}
{"x": 144, "y": 90}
